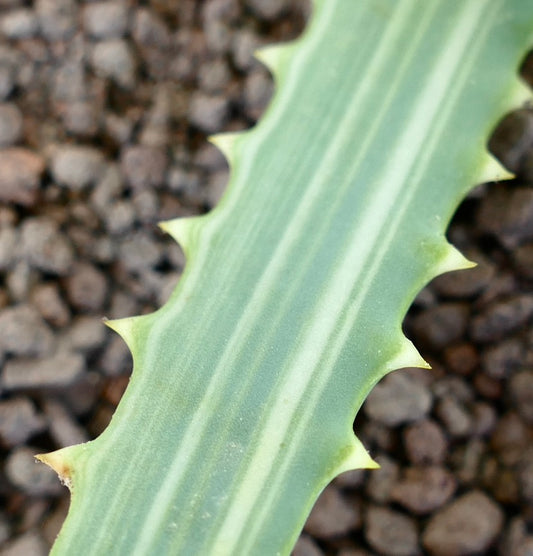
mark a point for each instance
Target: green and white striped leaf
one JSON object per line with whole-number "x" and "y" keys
{"x": 247, "y": 381}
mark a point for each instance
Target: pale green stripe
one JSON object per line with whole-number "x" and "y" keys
{"x": 339, "y": 289}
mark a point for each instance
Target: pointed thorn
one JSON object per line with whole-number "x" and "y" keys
{"x": 493, "y": 170}
{"x": 225, "y": 142}
{"x": 408, "y": 356}
{"x": 180, "y": 230}
{"x": 124, "y": 328}
{"x": 270, "y": 57}
{"x": 358, "y": 457}
{"x": 453, "y": 259}
{"x": 58, "y": 462}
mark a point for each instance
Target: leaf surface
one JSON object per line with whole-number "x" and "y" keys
{"x": 247, "y": 381}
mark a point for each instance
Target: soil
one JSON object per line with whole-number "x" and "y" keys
{"x": 104, "y": 111}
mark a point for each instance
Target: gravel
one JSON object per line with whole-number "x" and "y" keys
{"x": 20, "y": 175}
{"x": 77, "y": 167}
{"x": 113, "y": 59}
{"x": 104, "y": 110}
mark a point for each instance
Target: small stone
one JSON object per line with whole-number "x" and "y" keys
{"x": 149, "y": 30}
{"x": 332, "y": 515}
{"x": 106, "y": 20}
{"x": 208, "y": 113}
{"x": 47, "y": 300}
{"x": 501, "y": 359}
{"x": 143, "y": 166}
{"x": 507, "y": 213}
{"x": 120, "y": 217}
{"x": 214, "y": 76}
{"x": 57, "y": 18}
{"x": 20, "y": 280}
{"x": 61, "y": 369}
{"x": 81, "y": 118}
{"x": 27, "y": 544}
{"x": 461, "y": 358}
{"x": 113, "y": 59}
{"x": 501, "y": 318}
{"x": 454, "y": 416}
{"x": 510, "y": 438}
{"x": 523, "y": 260}
{"x": 44, "y": 247}
{"x": 484, "y": 418}
{"x": 86, "y": 334}
{"x": 86, "y": 287}
{"x": 425, "y": 443}
{"x": 306, "y": 547}
{"x": 140, "y": 252}
{"x": 24, "y": 332}
{"x": 525, "y": 476}
{"x": 391, "y": 533}
{"x": 19, "y": 421}
{"x": 424, "y": 489}
{"x": 10, "y": 124}
{"x": 63, "y": 428}
{"x": 8, "y": 244}
{"x": 521, "y": 389}
{"x": 19, "y": 24}
{"x": 381, "y": 481}
{"x": 398, "y": 398}
{"x": 20, "y": 176}
{"x": 245, "y": 43}
{"x": 77, "y": 167}
{"x": 512, "y": 139}
{"x": 468, "y": 525}
{"x": 31, "y": 476}
{"x": 441, "y": 325}
{"x": 269, "y": 10}
{"x": 258, "y": 89}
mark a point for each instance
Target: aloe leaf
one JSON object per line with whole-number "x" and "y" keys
{"x": 246, "y": 383}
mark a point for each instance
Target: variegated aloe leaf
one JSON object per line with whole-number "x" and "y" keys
{"x": 246, "y": 382}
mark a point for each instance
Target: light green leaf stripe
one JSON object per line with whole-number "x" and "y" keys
{"x": 247, "y": 381}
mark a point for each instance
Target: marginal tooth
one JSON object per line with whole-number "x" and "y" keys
{"x": 493, "y": 170}
{"x": 408, "y": 356}
{"x": 520, "y": 95}
{"x": 180, "y": 229}
{"x": 61, "y": 463}
{"x": 357, "y": 458}
{"x": 125, "y": 328}
{"x": 226, "y": 143}
{"x": 453, "y": 259}
{"x": 270, "y": 56}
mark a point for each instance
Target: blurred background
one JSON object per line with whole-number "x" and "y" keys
{"x": 105, "y": 107}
